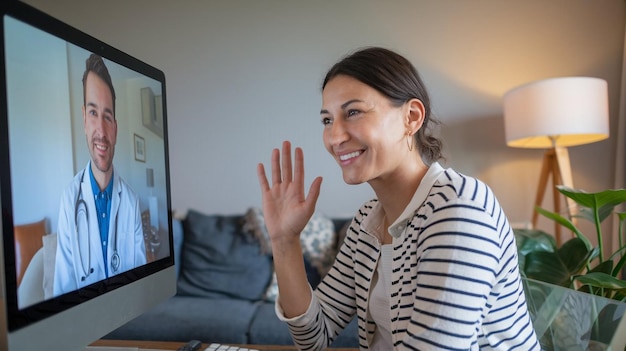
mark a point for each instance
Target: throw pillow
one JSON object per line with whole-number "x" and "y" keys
{"x": 219, "y": 259}
{"x": 318, "y": 243}
{"x": 177, "y": 235}
{"x": 312, "y": 275}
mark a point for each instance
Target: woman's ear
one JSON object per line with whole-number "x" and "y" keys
{"x": 415, "y": 115}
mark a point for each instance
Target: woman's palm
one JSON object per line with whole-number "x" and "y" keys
{"x": 285, "y": 207}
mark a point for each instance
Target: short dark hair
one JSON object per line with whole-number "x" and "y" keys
{"x": 396, "y": 78}
{"x": 95, "y": 64}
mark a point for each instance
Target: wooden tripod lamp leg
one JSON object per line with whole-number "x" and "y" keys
{"x": 556, "y": 163}
{"x": 565, "y": 171}
{"x": 546, "y": 169}
{"x": 556, "y": 196}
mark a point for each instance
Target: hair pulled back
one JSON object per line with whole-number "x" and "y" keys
{"x": 396, "y": 78}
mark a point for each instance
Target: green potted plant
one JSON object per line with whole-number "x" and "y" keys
{"x": 575, "y": 294}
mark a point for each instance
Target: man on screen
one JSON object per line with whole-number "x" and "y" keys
{"x": 99, "y": 232}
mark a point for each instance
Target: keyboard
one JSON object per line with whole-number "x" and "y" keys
{"x": 220, "y": 347}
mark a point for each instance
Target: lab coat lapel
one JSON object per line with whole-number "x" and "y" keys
{"x": 113, "y": 223}
{"x": 97, "y": 261}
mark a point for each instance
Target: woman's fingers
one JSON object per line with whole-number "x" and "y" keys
{"x": 286, "y": 165}
{"x": 288, "y": 176}
{"x": 260, "y": 172}
{"x": 314, "y": 192}
{"x": 299, "y": 168}
{"x": 282, "y": 170}
{"x": 276, "y": 178}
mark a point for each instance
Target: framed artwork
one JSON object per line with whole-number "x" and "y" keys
{"x": 140, "y": 148}
{"x": 152, "y": 111}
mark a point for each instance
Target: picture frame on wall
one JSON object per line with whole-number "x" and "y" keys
{"x": 151, "y": 110}
{"x": 140, "y": 148}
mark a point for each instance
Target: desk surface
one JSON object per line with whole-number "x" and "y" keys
{"x": 173, "y": 345}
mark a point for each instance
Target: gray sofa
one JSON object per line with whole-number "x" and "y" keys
{"x": 225, "y": 285}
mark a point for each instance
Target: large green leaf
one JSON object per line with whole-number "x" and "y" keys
{"x": 566, "y": 223}
{"x": 604, "y": 201}
{"x": 602, "y": 280}
{"x": 619, "y": 266}
{"x": 590, "y": 215}
{"x": 546, "y": 267}
{"x": 604, "y": 267}
{"x": 575, "y": 255}
{"x": 529, "y": 240}
{"x": 558, "y": 267}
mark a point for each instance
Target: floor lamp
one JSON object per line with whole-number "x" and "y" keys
{"x": 553, "y": 114}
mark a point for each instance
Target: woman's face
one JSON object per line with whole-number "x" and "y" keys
{"x": 363, "y": 131}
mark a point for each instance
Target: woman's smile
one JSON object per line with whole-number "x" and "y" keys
{"x": 350, "y": 156}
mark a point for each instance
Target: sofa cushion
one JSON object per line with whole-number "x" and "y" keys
{"x": 318, "y": 241}
{"x": 266, "y": 328}
{"x": 182, "y": 318}
{"x": 220, "y": 260}
{"x": 312, "y": 275}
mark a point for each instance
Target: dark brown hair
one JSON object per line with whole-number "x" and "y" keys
{"x": 396, "y": 78}
{"x": 96, "y": 65}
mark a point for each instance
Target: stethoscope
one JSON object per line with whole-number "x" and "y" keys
{"x": 81, "y": 210}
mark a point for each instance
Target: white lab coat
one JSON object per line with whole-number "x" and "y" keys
{"x": 73, "y": 262}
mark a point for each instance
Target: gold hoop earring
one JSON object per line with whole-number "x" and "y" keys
{"x": 409, "y": 141}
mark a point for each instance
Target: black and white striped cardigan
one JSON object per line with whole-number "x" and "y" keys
{"x": 455, "y": 279}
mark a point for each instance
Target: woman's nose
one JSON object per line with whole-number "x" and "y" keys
{"x": 337, "y": 133}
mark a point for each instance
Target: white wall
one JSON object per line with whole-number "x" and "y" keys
{"x": 244, "y": 75}
{"x": 40, "y": 133}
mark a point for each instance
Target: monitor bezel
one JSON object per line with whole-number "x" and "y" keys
{"x": 16, "y": 318}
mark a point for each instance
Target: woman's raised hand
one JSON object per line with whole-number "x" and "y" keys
{"x": 285, "y": 207}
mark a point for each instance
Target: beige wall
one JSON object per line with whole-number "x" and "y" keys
{"x": 244, "y": 75}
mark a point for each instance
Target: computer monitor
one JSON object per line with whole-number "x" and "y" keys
{"x": 67, "y": 279}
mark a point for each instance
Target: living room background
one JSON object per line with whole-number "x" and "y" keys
{"x": 242, "y": 76}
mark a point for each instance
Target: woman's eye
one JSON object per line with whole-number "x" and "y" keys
{"x": 352, "y": 113}
{"x": 326, "y": 120}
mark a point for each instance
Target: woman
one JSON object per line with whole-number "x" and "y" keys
{"x": 430, "y": 263}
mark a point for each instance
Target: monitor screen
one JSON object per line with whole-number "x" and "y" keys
{"x": 84, "y": 185}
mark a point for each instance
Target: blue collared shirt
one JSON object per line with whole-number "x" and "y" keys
{"x": 103, "y": 211}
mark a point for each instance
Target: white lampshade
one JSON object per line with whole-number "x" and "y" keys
{"x": 557, "y": 112}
